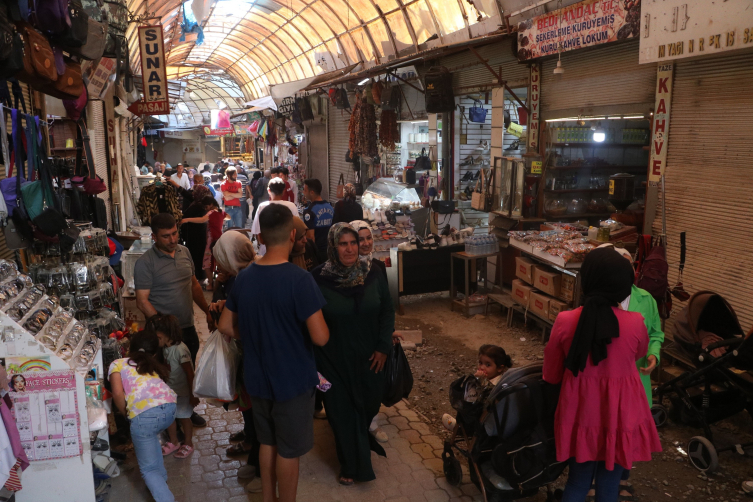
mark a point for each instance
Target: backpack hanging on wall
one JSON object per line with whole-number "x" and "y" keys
{"x": 438, "y": 90}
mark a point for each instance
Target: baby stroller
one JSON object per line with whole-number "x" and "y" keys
{"x": 721, "y": 384}
{"x": 507, "y": 436}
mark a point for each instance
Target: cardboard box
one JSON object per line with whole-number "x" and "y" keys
{"x": 555, "y": 307}
{"x": 539, "y": 305}
{"x": 567, "y": 287}
{"x": 521, "y": 292}
{"x": 132, "y": 312}
{"x": 547, "y": 281}
{"x": 524, "y": 269}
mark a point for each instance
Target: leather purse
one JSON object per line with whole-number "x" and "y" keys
{"x": 76, "y": 33}
{"x": 96, "y": 39}
{"x": 69, "y": 85}
{"x": 11, "y": 46}
{"x": 39, "y": 61}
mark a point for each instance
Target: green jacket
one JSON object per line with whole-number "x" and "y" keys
{"x": 642, "y": 302}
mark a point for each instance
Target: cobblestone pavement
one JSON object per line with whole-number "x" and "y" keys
{"x": 411, "y": 472}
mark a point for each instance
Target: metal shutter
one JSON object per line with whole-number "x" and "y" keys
{"x": 603, "y": 81}
{"x": 470, "y": 74}
{"x": 97, "y": 131}
{"x": 708, "y": 178}
{"x": 337, "y": 138}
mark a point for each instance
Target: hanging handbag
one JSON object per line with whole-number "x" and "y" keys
{"x": 74, "y": 107}
{"x": 477, "y": 113}
{"x": 438, "y": 95}
{"x": 423, "y": 163}
{"x": 39, "y": 61}
{"x": 483, "y": 196}
{"x": 86, "y": 180}
{"x": 341, "y": 187}
{"x": 69, "y": 85}
{"x": 11, "y": 45}
{"x": 50, "y": 16}
{"x": 305, "y": 106}
{"x": 96, "y": 39}
{"x": 76, "y": 31}
{"x": 341, "y": 101}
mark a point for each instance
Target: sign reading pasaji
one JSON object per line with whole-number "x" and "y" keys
{"x": 580, "y": 25}
{"x": 153, "y": 72}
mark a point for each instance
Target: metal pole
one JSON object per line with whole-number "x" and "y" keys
{"x": 447, "y": 181}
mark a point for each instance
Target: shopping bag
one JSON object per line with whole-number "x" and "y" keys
{"x": 399, "y": 380}
{"x": 341, "y": 187}
{"x": 216, "y": 369}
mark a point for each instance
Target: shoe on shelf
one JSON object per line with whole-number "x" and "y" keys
{"x": 247, "y": 472}
{"x": 197, "y": 420}
{"x": 449, "y": 422}
{"x": 477, "y": 174}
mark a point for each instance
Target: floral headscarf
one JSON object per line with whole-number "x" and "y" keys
{"x": 350, "y": 191}
{"x": 334, "y": 271}
{"x": 199, "y": 192}
{"x": 359, "y": 225}
{"x": 233, "y": 251}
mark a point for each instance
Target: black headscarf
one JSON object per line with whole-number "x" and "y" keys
{"x": 607, "y": 278}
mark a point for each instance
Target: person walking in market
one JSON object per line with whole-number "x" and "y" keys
{"x": 317, "y": 216}
{"x": 361, "y": 319}
{"x": 166, "y": 283}
{"x": 232, "y": 192}
{"x": 278, "y": 324}
{"x": 348, "y": 209}
{"x": 639, "y": 300}
{"x": 592, "y": 353}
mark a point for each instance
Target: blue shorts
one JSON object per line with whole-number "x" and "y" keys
{"x": 183, "y": 407}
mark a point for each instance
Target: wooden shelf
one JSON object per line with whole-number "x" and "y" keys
{"x": 592, "y": 144}
{"x": 568, "y": 190}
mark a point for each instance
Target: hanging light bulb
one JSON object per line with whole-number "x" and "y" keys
{"x": 559, "y": 70}
{"x": 599, "y": 134}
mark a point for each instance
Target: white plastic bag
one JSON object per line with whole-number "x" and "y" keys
{"x": 216, "y": 369}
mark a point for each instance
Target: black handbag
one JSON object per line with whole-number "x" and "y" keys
{"x": 422, "y": 162}
{"x": 438, "y": 96}
{"x": 77, "y": 31}
{"x": 11, "y": 46}
{"x": 305, "y": 106}
{"x": 341, "y": 99}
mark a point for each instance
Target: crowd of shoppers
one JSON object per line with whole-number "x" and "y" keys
{"x": 304, "y": 298}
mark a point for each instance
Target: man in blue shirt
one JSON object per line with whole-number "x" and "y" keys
{"x": 317, "y": 216}
{"x": 271, "y": 301}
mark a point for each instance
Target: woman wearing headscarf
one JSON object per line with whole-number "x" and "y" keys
{"x": 347, "y": 209}
{"x": 305, "y": 252}
{"x": 366, "y": 244}
{"x": 232, "y": 253}
{"x": 360, "y": 317}
{"x": 603, "y": 422}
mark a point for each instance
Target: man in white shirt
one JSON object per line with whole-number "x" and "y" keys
{"x": 276, "y": 189}
{"x": 181, "y": 178}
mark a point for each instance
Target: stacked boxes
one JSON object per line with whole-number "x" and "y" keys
{"x": 543, "y": 291}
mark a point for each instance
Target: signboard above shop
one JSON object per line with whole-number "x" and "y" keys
{"x": 153, "y": 72}
{"x": 584, "y": 24}
{"x": 678, "y": 29}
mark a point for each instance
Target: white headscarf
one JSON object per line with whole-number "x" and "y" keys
{"x": 233, "y": 251}
{"x": 359, "y": 225}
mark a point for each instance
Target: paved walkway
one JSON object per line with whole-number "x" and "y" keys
{"x": 411, "y": 472}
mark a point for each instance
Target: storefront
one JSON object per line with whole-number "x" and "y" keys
{"x": 708, "y": 168}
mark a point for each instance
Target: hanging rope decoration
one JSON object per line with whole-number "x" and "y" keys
{"x": 363, "y": 130}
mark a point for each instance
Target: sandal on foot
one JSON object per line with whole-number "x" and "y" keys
{"x": 591, "y": 496}
{"x": 626, "y": 498}
{"x": 344, "y": 481}
{"x": 169, "y": 448}
{"x": 184, "y": 451}
{"x": 238, "y": 437}
{"x": 237, "y": 450}
{"x": 628, "y": 488}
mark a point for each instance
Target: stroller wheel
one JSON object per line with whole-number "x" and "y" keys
{"x": 660, "y": 414}
{"x": 702, "y": 454}
{"x": 451, "y": 467}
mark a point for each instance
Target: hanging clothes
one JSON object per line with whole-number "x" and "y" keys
{"x": 157, "y": 199}
{"x": 14, "y": 480}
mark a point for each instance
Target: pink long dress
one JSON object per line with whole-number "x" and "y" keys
{"x": 602, "y": 413}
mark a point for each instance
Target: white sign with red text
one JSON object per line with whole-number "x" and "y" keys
{"x": 661, "y": 123}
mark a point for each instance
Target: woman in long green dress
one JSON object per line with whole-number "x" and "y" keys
{"x": 361, "y": 318}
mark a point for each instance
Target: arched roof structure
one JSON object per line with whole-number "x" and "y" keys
{"x": 258, "y": 43}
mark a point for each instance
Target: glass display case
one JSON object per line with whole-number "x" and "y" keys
{"x": 385, "y": 193}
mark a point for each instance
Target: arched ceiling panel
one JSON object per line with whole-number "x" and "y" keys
{"x": 263, "y": 42}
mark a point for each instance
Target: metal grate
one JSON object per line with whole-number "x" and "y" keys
{"x": 97, "y": 130}
{"x": 337, "y": 137}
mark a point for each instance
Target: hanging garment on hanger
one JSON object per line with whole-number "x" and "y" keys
{"x": 158, "y": 199}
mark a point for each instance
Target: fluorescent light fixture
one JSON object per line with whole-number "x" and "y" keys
{"x": 419, "y": 121}
{"x": 364, "y": 81}
{"x": 600, "y": 136}
{"x": 634, "y": 117}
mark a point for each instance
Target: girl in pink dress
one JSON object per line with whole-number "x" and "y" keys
{"x": 603, "y": 423}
